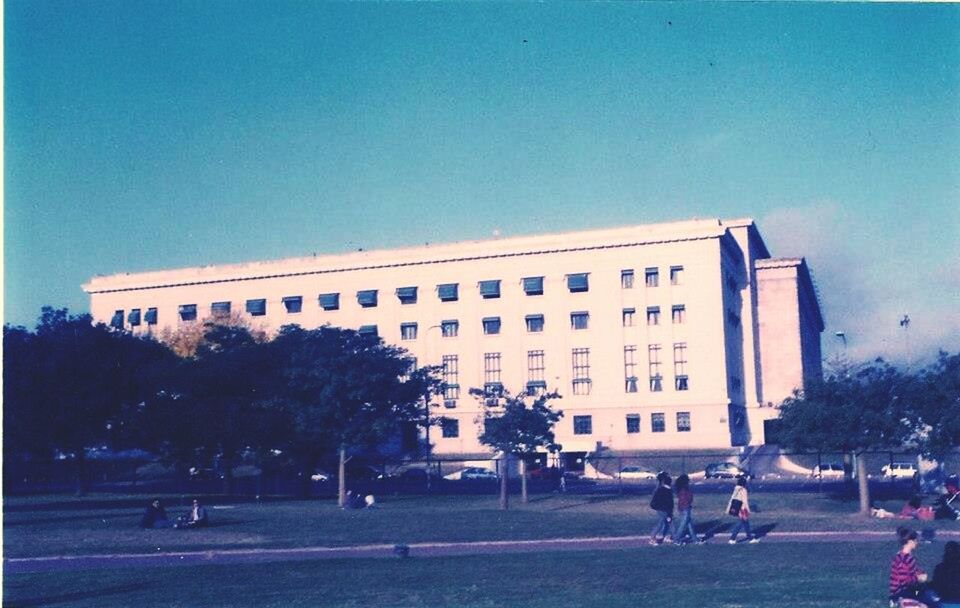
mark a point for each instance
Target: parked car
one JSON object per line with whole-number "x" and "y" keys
{"x": 321, "y": 476}
{"x": 726, "y": 470}
{"x": 474, "y": 474}
{"x": 899, "y": 470}
{"x": 545, "y": 473}
{"x": 831, "y": 470}
{"x": 636, "y": 473}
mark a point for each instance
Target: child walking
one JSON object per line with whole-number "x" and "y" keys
{"x": 685, "y": 512}
{"x": 662, "y": 503}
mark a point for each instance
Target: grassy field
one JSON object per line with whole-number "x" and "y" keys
{"x": 835, "y": 575}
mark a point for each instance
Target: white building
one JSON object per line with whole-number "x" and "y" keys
{"x": 663, "y": 336}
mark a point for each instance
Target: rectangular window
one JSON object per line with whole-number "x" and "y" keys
{"x": 450, "y": 428}
{"x": 117, "y": 320}
{"x": 151, "y": 316}
{"x": 653, "y": 277}
{"x": 579, "y": 320}
{"x": 581, "y": 371}
{"x": 293, "y": 304}
{"x": 188, "y": 312}
{"x": 633, "y": 423}
{"x": 578, "y": 283}
{"x": 451, "y": 380}
{"x": 448, "y": 292}
{"x": 534, "y": 323}
{"x": 683, "y": 422}
{"x": 653, "y": 315}
{"x": 330, "y": 301}
{"x": 408, "y": 331}
{"x": 219, "y": 310}
{"x": 450, "y": 328}
{"x": 676, "y": 275}
{"x": 656, "y": 375}
{"x": 492, "y": 385}
{"x": 134, "y": 317}
{"x": 626, "y": 279}
{"x": 257, "y": 308}
{"x": 368, "y": 330}
{"x": 680, "y": 365}
{"x": 536, "y": 370}
{"x": 679, "y": 313}
{"x": 367, "y": 298}
{"x": 491, "y": 326}
{"x": 658, "y": 423}
{"x": 407, "y": 295}
{"x": 583, "y": 425}
{"x": 533, "y": 286}
{"x": 490, "y": 289}
{"x": 628, "y": 316}
{"x": 630, "y": 368}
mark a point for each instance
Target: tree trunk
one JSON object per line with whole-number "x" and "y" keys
{"x": 863, "y": 484}
{"x": 523, "y": 482}
{"x": 342, "y": 478}
{"x": 504, "y": 479}
{"x": 81, "y": 463}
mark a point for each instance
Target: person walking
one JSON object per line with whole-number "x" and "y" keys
{"x": 685, "y": 512}
{"x": 946, "y": 576}
{"x": 662, "y": 503}
{"x": 907, "y": 580}
{"x": 739, "y": 507}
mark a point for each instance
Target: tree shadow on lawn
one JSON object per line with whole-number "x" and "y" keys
{"x": 77, "y": 595}
{"x": 56, "y": 520}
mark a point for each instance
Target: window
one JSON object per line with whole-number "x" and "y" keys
{"x": 451, "y": 380}
{"x": 219, "y": 310}
{"x": 450, "y": 328}
{"x": 628, "y": 315}
{"x": 680, "y": 365}
{"x": 492, "y": 385}
{"x": 257, "y": 308}
{"x": 652, "y": 277}
{"x": 579, "y": 320}
{"x": 490, "y": 289}
{"x": 658, "y": 423}
{"x": 151, "y": 316}
{"x": 117, "y": 320}
{"x": 330, "y": 301}
{"x": 581, "y": 371}
{"x": 683, "y": 422}
{"x": 536, "y": 382}
{"x": 653, "y": 315}
{"x": 367, "y": 298}
{"x": 533, "y": 286}
{"x": 582, "y": 425}
{"x": 450, "y": 428}
{"x": 491, "y": 325}
{"x": 656, "y": 375}
{"x": 408, "y": 331}
{"x": 293, "y": 304}
{"x": 134, "y": 317}
{"x": 679, "y": 313}
{"x": 534, "y": 323}
{"x": 578, "y": 283}
{"x": 368, "y": 330}
{"x": 407, "y": 295}
{"x": 633, "y": 423}
{"x": 448, "y": 292}
{"x": 626, "y": 279}
{"x": 630, "y": 368}
{"x": 676, "y": 275}
{"x": 188, "y": 312}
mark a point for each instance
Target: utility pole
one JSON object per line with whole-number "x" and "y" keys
{"x": 905, "y": 324}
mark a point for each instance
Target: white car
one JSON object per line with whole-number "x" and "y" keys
{"x": 899, "y": 470}
{"x": 318, "y": 476}
{"x": 636, "y": 473}
{"x": 473, "y": 473}
{"x": 828, "y": 470}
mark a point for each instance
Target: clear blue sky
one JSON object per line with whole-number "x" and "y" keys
{"x": 144, "y": 135}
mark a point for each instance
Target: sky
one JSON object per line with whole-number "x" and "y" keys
{"x": 148, "y": 135}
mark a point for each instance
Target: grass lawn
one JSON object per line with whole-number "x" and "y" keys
{"x": 823, "y": 575}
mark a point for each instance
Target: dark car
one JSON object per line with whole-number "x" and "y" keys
{"x": 726, "y": 470}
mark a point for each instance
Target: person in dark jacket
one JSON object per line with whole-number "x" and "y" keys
{"x": 662, "y": 503}
{"x": 155, "y": 516}
{"x": 946, "y": 576}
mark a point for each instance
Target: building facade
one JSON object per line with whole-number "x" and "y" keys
{"x": 664, "y": 336}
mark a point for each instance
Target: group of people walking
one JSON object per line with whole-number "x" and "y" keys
{"x": 666, "y": 531}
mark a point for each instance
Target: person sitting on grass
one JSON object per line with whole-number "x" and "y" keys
{"x": 910, "y": 509}
{"x": 196, "y": 519}
{"x": 907, "y": 580}
{"x": 946, "y": 576}
{"x": 742, "y": 513}
{"x": 155, "y": 516}
{"x": 662, "y": 503}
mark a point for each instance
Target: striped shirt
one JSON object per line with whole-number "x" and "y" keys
{"x": 904, "y": 573}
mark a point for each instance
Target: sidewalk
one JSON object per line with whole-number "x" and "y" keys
{"x": 233, "y": 556}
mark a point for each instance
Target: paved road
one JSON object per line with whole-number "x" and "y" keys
{"x": 233, "y": 556}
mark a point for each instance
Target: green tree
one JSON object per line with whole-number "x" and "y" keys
{"x": 854, "y": 410}
{"x": 516, "y": 428}
{"x": 934, "y": 407}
